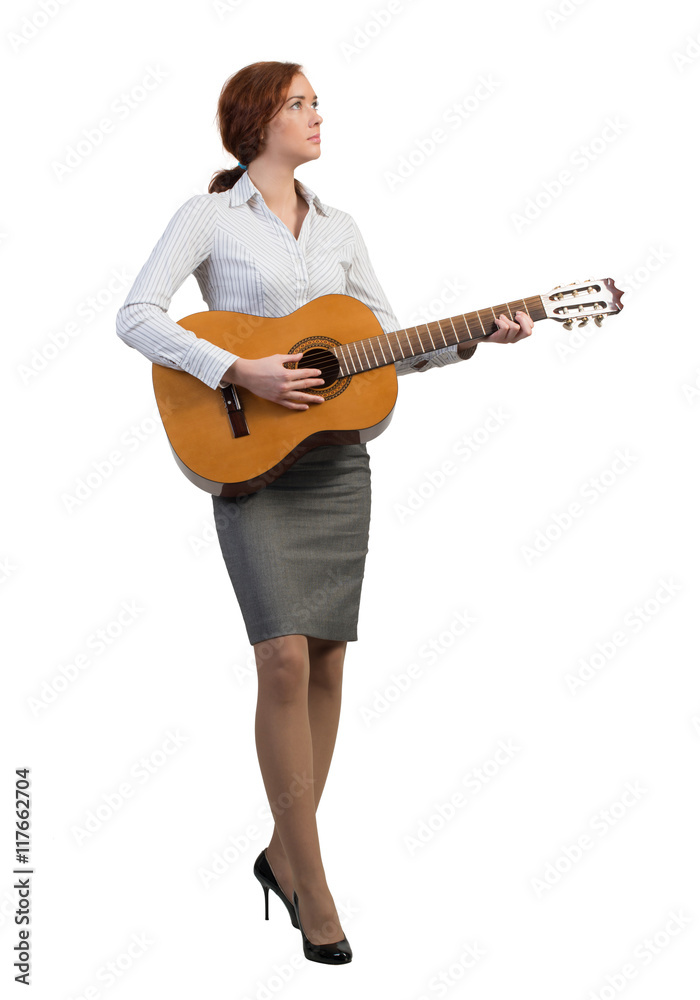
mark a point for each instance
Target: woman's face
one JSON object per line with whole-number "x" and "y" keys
{"x": 288, "y": 135}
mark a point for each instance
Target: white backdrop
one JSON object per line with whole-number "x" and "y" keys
{"x": 512, "y": 804}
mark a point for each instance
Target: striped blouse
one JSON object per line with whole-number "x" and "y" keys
{"x": 246, "y": 260}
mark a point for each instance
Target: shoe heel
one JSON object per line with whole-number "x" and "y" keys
{"x": 266, "y": 877}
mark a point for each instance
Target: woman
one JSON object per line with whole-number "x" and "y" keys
{"x": 262, "y": 243}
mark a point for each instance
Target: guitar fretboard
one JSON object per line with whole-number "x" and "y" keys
{"x": 385, "y": 349}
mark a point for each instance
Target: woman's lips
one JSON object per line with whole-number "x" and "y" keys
{"x": 314, "y": 138}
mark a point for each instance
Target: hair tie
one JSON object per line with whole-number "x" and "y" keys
{"x": 242, "y": 165}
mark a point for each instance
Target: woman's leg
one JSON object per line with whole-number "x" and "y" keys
{"x": 296, "y": 722}
{"x": 326, "y": 660}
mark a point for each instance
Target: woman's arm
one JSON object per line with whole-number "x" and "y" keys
{"x": 143, "y": 322}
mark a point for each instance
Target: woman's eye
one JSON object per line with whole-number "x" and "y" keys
{"x": 314, "y": 104}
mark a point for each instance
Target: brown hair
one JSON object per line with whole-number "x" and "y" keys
{"x": 248, "y": 101}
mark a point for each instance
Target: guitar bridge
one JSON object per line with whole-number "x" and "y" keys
{"x": 236, "y": 416}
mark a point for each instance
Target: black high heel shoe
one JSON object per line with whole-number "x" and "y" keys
{"x": 337, "y": 953}
{"x": 266, "y": 877}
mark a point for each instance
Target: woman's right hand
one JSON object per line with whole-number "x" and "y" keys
{"x": 267, "y": 377}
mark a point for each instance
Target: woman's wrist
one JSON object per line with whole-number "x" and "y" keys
{"x": 230, "y": 374}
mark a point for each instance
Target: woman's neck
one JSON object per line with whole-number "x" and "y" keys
{"x": 275, "y": 183}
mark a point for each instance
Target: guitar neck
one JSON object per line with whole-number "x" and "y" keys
{"x": 385, "y": 349}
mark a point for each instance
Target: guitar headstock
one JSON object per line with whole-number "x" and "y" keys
{"x": 596, "y": 297}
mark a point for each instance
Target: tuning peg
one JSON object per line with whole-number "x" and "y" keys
{"x": 599, "y": 320}
{"x": 568, "y": 323}
{"x": 583, "y": 322}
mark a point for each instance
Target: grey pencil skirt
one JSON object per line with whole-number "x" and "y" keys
{"x": 295, "y": 550}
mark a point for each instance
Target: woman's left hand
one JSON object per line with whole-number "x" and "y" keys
{"x": 510, "y": 332}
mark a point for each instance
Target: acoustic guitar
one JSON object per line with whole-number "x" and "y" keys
{"x": 231, "y": 442}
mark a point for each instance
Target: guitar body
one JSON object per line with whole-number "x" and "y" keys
{"x": 356, "y": 408}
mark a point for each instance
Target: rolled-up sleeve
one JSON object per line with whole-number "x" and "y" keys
{"x": 362, "y": 283}
{"x": 143, "y": 322}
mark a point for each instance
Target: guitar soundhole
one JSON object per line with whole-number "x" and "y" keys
{"x": 318, "y": 353}
{"x": 326, "y": 362}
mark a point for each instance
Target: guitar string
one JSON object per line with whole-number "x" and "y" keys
{"x": 328, "y": 366}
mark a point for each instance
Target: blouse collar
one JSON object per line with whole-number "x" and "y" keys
{"x": 244, "y": 189}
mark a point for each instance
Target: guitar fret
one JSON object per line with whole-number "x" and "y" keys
{"x": 459, "y": 334}
{"x": 398, "y": 342}
{"x": 467, "y": 329}
{"x": 497, "y": 310}
{"x": 351, "y": 358}
{"x": 419, "y": 337}
{"x": 359, "y": 365}
{"x": 454, "y": 333}
{"x": 473, "y": 325}
{"x": 430, "y": 327}
{"x": 523, "y": 305}
{"x": 348, "y": 359}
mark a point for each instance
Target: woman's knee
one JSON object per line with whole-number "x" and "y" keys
{"x": 283, "y": 667}
{"x": 326, "y": 659}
